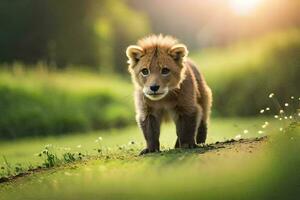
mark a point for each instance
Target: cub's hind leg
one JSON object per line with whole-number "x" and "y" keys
{"x": 186, "y": 127}
{"x": 202, "y": 132}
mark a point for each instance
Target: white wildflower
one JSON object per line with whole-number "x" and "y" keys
{"x": 262, "y": 111}
{"x": 79, "y": 146}
{"x": 245, "y": 131}
{"x": 267, "y": 108}
{"x": 238, "y": 137}
{"x": 292, "y": 97}
{"x": 260, "y": 132}
{"x": 280, "y": 129}
{"x": 100, "y": 138}
{"x": 286, "y": 104}
{"x": 285, "y": 117}
{"x": 281, "y": 111}
{"x": 280, "y": 118}
{"x": 276, "y": 116}
{"x": 291, "y": 117}
{"x": 271, "y": 95}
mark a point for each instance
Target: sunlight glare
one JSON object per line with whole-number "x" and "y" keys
{"x": 243, "y": 7}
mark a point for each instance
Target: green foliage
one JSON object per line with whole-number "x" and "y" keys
{"x": 241, "y": 76}
{"x": 43, "y": 103}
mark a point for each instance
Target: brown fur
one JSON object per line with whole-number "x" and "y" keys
{"x": 183, "y": 92}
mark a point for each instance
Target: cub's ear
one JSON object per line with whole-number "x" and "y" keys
{"x": 178, "y": 52}
{"x": 134, "y": 53}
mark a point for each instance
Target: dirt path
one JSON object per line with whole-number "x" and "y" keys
{"x": 230, "y": 146}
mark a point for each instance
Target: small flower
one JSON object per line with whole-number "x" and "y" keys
{"x": 271, "y": 95}
{"x": 292, "y": 97}
{"x": 280, "y": 129}
{"x": 237, "y": 137}
{"x": 79, "y": 146}
{"x": 280, "y": 118}
{"x": 276, "y": 116}
{"x": 286, "y": 104}
{"x": 291, "y": 117}
{"x": 245, "y": 131}
{"x": 285, "y": 117}
{"x": 97, "y": 141}
{"x": 298, "y": 114}
{"x": 281, "y": 111}
{"x": 131, "y": 142}
{"x": 262, "y": 111}
{"x": 100, "y": 138}
{"x": 267, "y": 108}
{"x": 260, "y": 132}
{"x": 265, "y": 125}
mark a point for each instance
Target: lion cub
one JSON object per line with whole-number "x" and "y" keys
{"x": 167, "y": 82}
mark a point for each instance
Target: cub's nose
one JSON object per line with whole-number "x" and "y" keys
{"x": 154, "y": 88}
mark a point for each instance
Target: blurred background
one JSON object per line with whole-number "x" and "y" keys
{"x": 63, "y": 65}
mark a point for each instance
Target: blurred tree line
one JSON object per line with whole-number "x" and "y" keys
{"x": 91, "y": 33}
{"x": 95, "y": 33}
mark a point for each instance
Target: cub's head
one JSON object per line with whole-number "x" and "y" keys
{"x": 156, "y": 65}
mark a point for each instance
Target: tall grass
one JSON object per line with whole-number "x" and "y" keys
{"x": 39, "y": 102}
{"x": 241, "y": 75}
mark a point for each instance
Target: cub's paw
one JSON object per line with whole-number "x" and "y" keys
{"x": 147, "y": 151}
{"x": 144, "y": 151}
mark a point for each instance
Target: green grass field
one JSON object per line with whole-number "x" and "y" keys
{"x": 234, "y": 172}
{"x": 23, "y": 151}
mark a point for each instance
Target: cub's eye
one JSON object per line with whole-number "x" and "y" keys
{"x": 145, "y": 72}
{"x": 165, "y": 71}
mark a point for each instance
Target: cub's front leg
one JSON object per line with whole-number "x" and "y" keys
{"x": 150, "y": 126}
{"x": 186, "y": 126}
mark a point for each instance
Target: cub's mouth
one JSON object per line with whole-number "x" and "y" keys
{"x": 155, "y": 96}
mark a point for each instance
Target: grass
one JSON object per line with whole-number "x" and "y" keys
{"x": 242, "y": 74}
{"x": 25, "y": 151}
{"x": 42, "y": 102}
{"x": 270, "y": 172}
{"x": 105, "y": 164}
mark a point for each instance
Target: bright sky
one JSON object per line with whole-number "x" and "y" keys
{"x": 243, "y": 7}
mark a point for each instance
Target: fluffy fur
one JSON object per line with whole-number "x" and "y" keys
{"x": 181, "y": 91}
